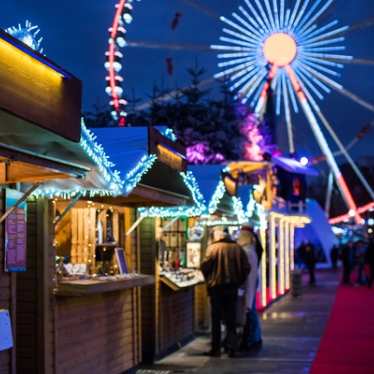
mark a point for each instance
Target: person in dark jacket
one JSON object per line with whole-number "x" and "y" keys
{"x": 370, "y": 261}
{"x": 347, "y": 256}
{"x": 309, "y": 257}
{"x": 225, "y": 269}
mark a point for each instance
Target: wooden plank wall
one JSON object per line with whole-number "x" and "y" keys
{"x": 167, "y": 316}
{"x": 5, "y": 295}
{"x": 100, "y": 333}
{"x": 94, "y": 334}
{"x": 34, "y": 289}
{"x": 147, "y": 246}
{"x": 176, "y": 318}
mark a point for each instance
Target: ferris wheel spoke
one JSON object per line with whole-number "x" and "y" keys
{"x": 252, "y": 26}
{"x": 228, "y": 72}
{"x": 345, "y": 153}
{"x": 236, "y": 62}
{"x": 241, "y": 73}
{"x": 282, "y": 14}
{"x": 294, "y": 14}
{"x": 325, "y": 42}
{"x": 301, "y": 13}
{"x": 263, "y": 14}
{"x": 324, "y": 49}
{"x": 308, "y": 15}
{"x": 287, "y": 111}
{"x": 329, "y": 56}
{"x": 287, "y": 18}
{"x": 231, "y": 48}
{"x": 279, "y": 88}
{"x": 354, "y": 61}
{"x": 276, "y": 14}
{"x": 260, "y": 22}
{"x": 246, "y": 78}
{"x": 238, "y": 35}
{"x": 270, "y": 14}
{"x": 326, "y": 62}
{"x": 236, "y": 26}
{"x": 236, "y": 42}
{"x": 232, "y": 55}
{"x": 316, "y": 16}
{"x": 307, "y": 63}
{"x": 355, "y": 98}
{"x": 326, "y": 35}
{"x": 320, "y": 30}
{"x": 292, "y": 95}
{"x": 168, "y": 46}
{"x": 247, "y": 90}
{"x": 361, "y": 25}
{"x": 306, "y": 81}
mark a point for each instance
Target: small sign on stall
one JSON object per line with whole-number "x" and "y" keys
{"x": 6, "y": 338}
{"x": 15, "y": 233}
{"x": 121, "y": 260}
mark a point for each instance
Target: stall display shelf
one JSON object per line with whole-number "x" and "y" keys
{"x": 182, "y": 279}
{"x": 82, "y": 287}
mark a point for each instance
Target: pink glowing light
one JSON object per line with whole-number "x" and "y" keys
{"x": 200, "y": 153}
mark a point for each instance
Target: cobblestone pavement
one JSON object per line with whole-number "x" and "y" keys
{"x": 292, "y": 329}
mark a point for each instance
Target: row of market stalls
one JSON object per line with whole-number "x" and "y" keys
{"x": 103, "y": 231}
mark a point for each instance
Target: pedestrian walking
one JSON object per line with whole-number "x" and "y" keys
{"x": 252, "y": 337}
{"x": 225, "y": 269}
{"x": 347, "y": 256}
{"x": 309, "y": 257}
{"x": 370, "y": 262}
{"x": 360, "y": 255}
{"x": 334, "y": 256}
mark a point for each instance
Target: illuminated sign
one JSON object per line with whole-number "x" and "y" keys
{"x": 168, "y": 152}
{"x": 38, "y": 91}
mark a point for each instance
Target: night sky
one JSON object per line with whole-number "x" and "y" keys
{"x": 76, "y": 35}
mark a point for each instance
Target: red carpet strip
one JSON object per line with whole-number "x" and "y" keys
{"x": 347, "y": 346}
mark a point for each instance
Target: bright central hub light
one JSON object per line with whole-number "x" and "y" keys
{"x": 280, "y": 49}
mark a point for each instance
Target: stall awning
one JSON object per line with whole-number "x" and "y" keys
{"x": 209, "y": 178}
{"x": 32, "y": 154}
{"x": 150, "y": 165}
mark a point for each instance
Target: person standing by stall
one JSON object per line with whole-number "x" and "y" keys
{"x": 347, "y": 260}
{"x": 251, "y": 339}
{"x": 225, "y": 269}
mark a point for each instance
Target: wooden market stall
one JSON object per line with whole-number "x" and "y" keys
{"x": 38, "y": 101}
{"x": 159, "y": 179}
{"x": 180, "y": 299}
{"x": 274, "y": 211}
{"x": 88, "y": 257}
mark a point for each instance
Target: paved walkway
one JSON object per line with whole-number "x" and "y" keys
{"x": 292, "y": 329}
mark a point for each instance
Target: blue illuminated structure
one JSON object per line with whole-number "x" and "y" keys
{"x": 27, "y": 34}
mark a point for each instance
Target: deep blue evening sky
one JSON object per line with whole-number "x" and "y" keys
{"x": 76, "y": 36}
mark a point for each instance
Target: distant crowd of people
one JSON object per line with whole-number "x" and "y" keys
{"x": 231, "y": 271}
{"x": 357, "y": 258}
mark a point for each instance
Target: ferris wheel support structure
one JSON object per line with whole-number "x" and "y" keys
{"x": 343, "y": 187}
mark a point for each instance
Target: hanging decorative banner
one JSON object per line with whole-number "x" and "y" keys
{"x": 15, "y": 233}
{"x": 6, "y": 337}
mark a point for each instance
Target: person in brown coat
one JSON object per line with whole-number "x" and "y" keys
{"x": 225, "y": 269}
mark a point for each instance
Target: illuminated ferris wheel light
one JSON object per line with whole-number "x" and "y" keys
{"x": 264, "y": 32}
{"x": 280, "y": 49}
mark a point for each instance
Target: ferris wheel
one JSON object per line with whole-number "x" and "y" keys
{"x": 268, "y": 46}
